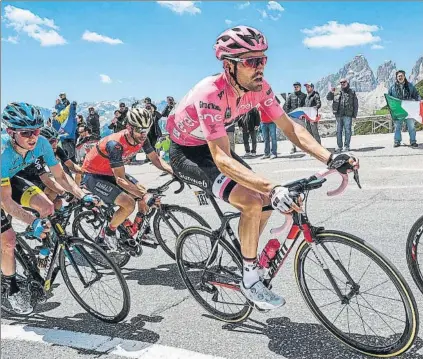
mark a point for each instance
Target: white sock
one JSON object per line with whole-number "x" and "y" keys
{"x": 250, "y": 274}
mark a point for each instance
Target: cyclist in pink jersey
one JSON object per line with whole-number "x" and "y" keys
{"x": 200, "y": 150}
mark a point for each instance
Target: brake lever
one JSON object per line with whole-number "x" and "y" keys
{"x": 357, "y": 178}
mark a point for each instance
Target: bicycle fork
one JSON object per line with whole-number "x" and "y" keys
{"x": 355, "y": 287}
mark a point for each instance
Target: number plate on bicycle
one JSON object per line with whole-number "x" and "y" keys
{"x": 201, "y": 198}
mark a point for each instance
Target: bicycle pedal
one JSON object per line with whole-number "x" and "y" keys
{"x": 149, "y": 244}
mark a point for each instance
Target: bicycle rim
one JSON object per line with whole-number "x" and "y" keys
{"x": 219, "y": 282}
{"x": 408, "y": 304}
{"x": 168, "y": 216}
{"x": 412, "y": 253}
{"x": 80, "y": 259}
{"x": 121, "y": 258}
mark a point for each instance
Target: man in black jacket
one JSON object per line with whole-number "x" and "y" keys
{"x": 312, "y": 100}
{"x": 345, "y": 109}
{"x": 93, "y": 122}
{"x": 295, "y": 100}
{"x": 250, "y": 123}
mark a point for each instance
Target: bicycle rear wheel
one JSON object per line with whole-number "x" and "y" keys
{"x": 79, "y": 255}
{"x": 88, "y": 224}
{"x": 216, "y": 285}
{"x": 413, "y": 256}
{"x": 377, "y": 315}
{"x": 174, "y": 219}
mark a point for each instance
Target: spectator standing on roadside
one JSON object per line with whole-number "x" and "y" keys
{"x": 312, "y": 100}
{"x": 404, "y": 90}
{"x": 268, "y": 129}
{"x": 295, "y": 100}
{"x": 250, "y": 123}
{"x": 93, "y": 122}
{"x": 345, "y": 109}
{"x": 118, "y": 123}
{"x": 231, "y": 134}
{"x": 123, "y": 109}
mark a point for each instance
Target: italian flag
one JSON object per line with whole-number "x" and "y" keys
{"x": 402, "y": 109}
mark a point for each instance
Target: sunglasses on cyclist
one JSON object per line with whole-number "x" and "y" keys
{"x": 252, "y": 62}
{"x": 29, "y": 133}
{"x": 139, "y": 130}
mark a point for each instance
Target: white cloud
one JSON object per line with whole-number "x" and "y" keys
{"x": 11, "y": 39}
{"x": 105, "y": 79}
{"x": 24, "y": 21}
{"x": 275, "y": 18}
{"x": 273, "y": 5}
{"x": 337, "y": 36}
{"x": 94, "y": 37}
{"x": 263, "y": 13}
{"x": 228, "y": 22}
{"x": 244, "y": 5}
{"x": 377, "y": 47}
{"x": 181, "y": 7}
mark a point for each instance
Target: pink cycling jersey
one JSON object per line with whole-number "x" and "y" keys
{"x": 211, "y": 106}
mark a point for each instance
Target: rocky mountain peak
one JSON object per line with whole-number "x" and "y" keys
{"x": 358, "y": 73}
{"x": 385, "y": 74}
{"x": 417, "y": 71}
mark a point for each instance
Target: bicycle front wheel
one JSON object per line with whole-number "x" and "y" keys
{"x": 414, "y": 253}
{"x": 357, "y": 294}
{"x": 101, "y": 290}
{"x": 171, "y": 220}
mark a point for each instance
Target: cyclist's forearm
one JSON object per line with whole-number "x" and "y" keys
{"x": 160, "y": 163}
{"x": 300, "y": 137}
{"x": 69, "y": 185}
{"x": 16, "y": 211}
{"x": 52, "y": 184}
{"x": 130, "y": 187}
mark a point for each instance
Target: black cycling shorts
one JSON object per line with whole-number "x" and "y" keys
{"x": 22, "y": 192}
{"x": 105, "y": 186}
{"x": 195, "y": 165}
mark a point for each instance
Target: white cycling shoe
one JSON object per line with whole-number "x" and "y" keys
{"x": 262, "y": 296}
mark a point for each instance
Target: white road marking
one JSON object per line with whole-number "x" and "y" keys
{"x": 399, "y": 169}
{"x": 98, "y": 343}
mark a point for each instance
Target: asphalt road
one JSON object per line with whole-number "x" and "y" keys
{"x": 166, "y": 322}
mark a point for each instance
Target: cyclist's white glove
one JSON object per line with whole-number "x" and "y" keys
{"x": 280, "y": 199}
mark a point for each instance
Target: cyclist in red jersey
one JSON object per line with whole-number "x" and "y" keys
{"x": 200, "y": 151}
{"x": 104, "y": 168}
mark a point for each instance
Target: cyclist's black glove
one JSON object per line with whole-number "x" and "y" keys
{"x": 342, "y": 163}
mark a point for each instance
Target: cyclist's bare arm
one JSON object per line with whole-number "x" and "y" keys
{"x": 66, "y": 182}
{"x": 220, "y": 150}
{"x": 300, "y": 137}
{"x": 13, "y": 208}
{"x": 159, "y": 162}
{"x": 51, "y": 183}
{"x": 121, "y": 180}
{"x": 73, "y": 166}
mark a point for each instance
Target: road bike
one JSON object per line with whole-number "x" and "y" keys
{"x": 167, "y": 222}
{"x": 413, "y": 248}
{"x": 352, "y": 289}
{"x": 76, "y": 259}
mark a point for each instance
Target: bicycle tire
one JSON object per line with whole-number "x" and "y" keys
{"x": 158, "y": 218}
{"x": 409, "y": 303}
{"x": 413, "y": 241}
{"x": 231, "y": 318}
{"x": 121, "y": 260}
{"x": 111, "y": 265}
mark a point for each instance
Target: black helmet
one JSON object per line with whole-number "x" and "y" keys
{"x": 49, "y": 133}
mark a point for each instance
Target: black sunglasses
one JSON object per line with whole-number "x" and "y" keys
{"x": 29, "y": 133}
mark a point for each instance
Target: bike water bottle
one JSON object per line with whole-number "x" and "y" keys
{"x": 43, "y": 257}
{"x": 269, "y": 252}
{"x": 137, "y": 222}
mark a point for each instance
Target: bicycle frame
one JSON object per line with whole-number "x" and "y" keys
{"x": 295, "y": 223}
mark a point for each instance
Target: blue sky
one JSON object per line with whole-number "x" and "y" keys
{"x": 164, "y": 48}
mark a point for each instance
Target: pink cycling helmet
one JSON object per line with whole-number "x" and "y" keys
{"x": 239, "y": 40}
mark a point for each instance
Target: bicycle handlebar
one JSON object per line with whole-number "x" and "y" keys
{"x": 165, "y": 186}
{"x": 319, "y": 175}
